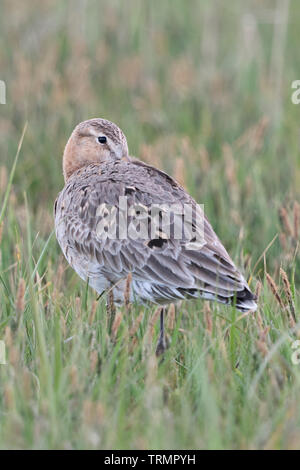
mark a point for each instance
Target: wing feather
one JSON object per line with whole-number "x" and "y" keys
{"x": 165, "y": 270}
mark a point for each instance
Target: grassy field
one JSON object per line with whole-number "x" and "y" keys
{"x": 203, "y": 90}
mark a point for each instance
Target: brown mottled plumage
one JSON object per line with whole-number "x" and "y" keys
{"x": 163, "y": 269}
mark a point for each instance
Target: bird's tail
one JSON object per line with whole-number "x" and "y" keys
{"x": 244, "y": 300}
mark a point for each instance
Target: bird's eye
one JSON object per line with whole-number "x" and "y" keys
{"x": 102, "y": 139}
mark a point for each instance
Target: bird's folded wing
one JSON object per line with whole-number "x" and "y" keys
{"x": 169, "y": 262}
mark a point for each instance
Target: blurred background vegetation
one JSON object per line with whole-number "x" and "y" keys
{"x": 201, "y": 89}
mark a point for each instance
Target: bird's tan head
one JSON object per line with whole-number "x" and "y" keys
{"x": 93, "y": 141}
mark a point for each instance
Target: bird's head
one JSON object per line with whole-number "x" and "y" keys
{"x": 93, "y": 141}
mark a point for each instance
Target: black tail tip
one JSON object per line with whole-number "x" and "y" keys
{"x": 245, "y": 300}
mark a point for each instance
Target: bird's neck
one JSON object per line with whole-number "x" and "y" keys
{"x": 76, "y": 157}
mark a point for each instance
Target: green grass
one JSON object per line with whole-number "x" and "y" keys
{"x": 202, "y": 90}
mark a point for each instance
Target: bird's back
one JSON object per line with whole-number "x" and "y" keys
{"x": 164, "y": 268}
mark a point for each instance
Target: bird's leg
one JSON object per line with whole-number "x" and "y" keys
{"x": 161, "y": 345}
{"x": 111, "y": 309}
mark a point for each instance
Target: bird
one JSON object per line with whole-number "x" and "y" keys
{"x": 109, "y": 199}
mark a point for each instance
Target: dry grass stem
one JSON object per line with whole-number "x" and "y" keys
{"x": 274, "y": 289}
{"x": 288, "y": 293}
